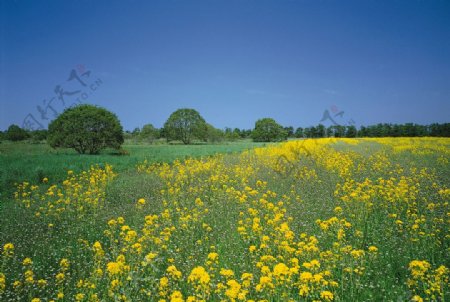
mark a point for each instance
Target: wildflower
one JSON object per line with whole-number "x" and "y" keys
{"x": 280, "y": 271}
{"x": 327, "y": 295}
{"x": 114, "y": 268}
{"x": 172, "y": 270}
{"x": 8, "y": 249}
{"x": 176, "y": 296}
{"x": 199, "y": 274}
{"x": 233, "y": 290}
{"x": 213, "y": 256}
{"x": 27, "y": 261}
{"x": 226, "y": 272}
{"x": 60, "y": 277}
{"x": 64, "y": 264}
{"x": 373, "y": 249}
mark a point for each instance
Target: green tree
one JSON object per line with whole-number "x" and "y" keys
{"x": 15, "y": 133}
{"x": 232, "y": 135}
{"x": 86, "y": 128}
{"x": 289, "y": 131}
{"x": 351, "y": 131}
{"x": 299, "y": 132}
{"x": 214, "y": 135}
{"x": 185, "y": 125}
{"x": 268, "y": 130}
{"x": 149, "y": 133}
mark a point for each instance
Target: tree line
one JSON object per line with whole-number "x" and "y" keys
{"x": 89, "y": 129}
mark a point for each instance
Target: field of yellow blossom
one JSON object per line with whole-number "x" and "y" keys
{"x": 306, "y": 220}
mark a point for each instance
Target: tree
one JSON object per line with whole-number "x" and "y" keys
{"x": 185, "y": 125}
{"x": 149, "y": 133}
{"x": 268, "y": 130}
{"x": 289, "y": 131}
{"x": 351, "y": 131}
{"x": 86, "y": 128}
{"x": 299, "y": 132}
{"x": 38, "y": 135}
{"x": 320, "y": 131}
{"x": 214, "y": 135}
{"x": 15, "y": 133}
{"x": 232, "y": 135}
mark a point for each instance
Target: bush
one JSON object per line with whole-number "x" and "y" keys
{"x": 86, "y": 128}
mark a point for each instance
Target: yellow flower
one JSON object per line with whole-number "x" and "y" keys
{"x": 280, "y": 271}
{"x": 35, "y": 300}
{"x": 199, "y": 274}
{"x": 226, "y": 272}
{"x": 60, "y": 277}
{"x": 163, "y": 282}
{"x": 213, "y": 256}
{"x": 114, "y": 268}
{"x": 141, "y": 201}
{"x": 327, "y": 295}
{"x": 373, "y": 249}
{"x": 64, "y": 264}
{"x": 8, "y": 249}
{"x": 233, "y": 291}
{"x": 176, "y": 296}
{"x": 27, "y": 261}
{"x": 172, "y": 270}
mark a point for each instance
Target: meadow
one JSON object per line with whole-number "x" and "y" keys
{"x": 306, "y": 220}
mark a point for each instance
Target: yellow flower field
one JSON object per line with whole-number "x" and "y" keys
{"x": 308, "y": 220}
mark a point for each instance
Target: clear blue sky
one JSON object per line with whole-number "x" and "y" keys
{"x": 233, "y": 61}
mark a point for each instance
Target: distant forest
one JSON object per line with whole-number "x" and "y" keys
{"x": 149, "y": 133}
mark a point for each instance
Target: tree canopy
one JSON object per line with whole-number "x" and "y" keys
{"x": 87, "y": 129}
{"x": 268, "y": 130}
{"x": 15, "y": 133}
{"x": 185, "y": 125}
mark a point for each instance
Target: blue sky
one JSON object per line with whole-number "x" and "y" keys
{"x": 233, "y": 61}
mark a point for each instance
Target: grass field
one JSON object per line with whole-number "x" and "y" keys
{"x": 310, "y": 220}
{"x": 32, "y": 162}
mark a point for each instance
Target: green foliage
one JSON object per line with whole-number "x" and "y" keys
{"x": 268, "y": 130}
{"x": 214, "y": 135}
{"x": 148, "y": 133}
{"x": 299, "y": 132}
{"x": 232, "y": 135}
{"x": 289, "y": 131}
{"x": 38, "y": 135}
{"x": 185, "y": 125}
{"x": 15, "y": 133}
{"x": 86, "y": 128}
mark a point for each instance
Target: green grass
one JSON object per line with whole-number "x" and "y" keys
{"x": 386, "y": 274}
{"x": 22, "y": 161}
